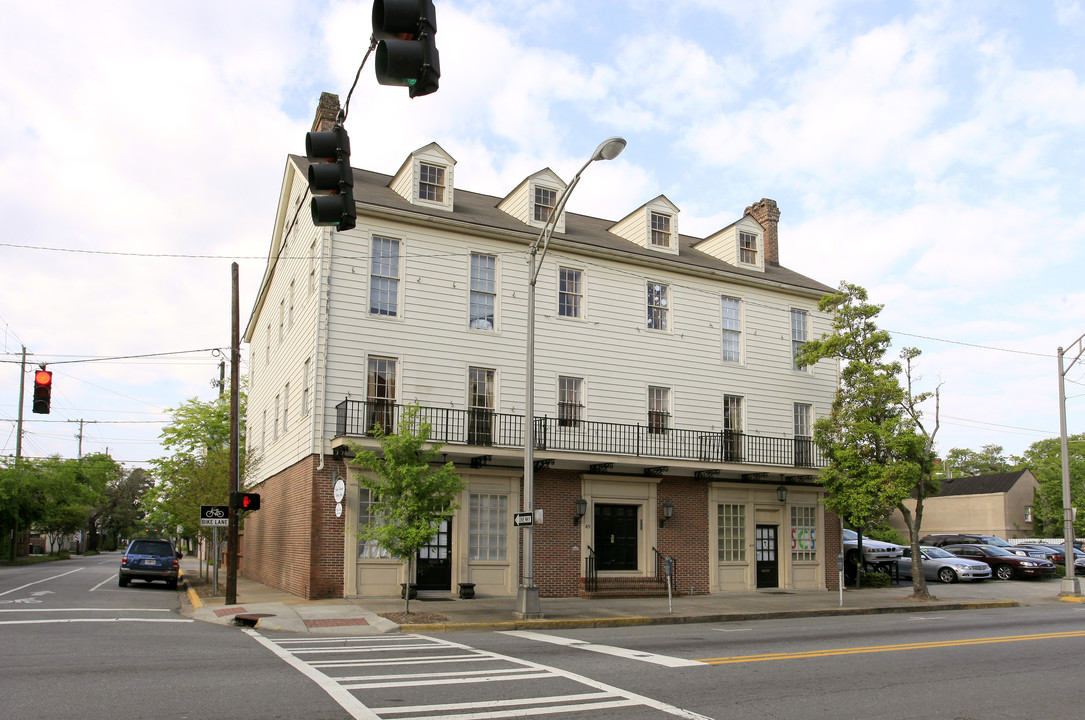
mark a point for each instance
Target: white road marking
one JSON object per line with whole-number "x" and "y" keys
{"x": 731, "y": 629}
{"x": 95, "y": 620}
{"x": 112, "y": 610}
{"x": 664, "y": 660}
{"x": 111, "y": 578}
{"x": 54, "y": 577}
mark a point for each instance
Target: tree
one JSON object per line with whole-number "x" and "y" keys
{"x": 412, "y": 495}
{"x": 120, "y": 514}
{"x": 874, "y": 449}
{"x": 1044, "y": 459}
{"x": 960, "y": 462}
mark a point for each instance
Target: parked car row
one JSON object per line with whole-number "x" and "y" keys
{"x": 953, "y": 557}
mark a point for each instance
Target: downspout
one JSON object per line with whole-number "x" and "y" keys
{"x": 321, "y": 375}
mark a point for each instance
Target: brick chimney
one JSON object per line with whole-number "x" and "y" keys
{"x": 326, "y": 112}
{"x": 765, "y": 212}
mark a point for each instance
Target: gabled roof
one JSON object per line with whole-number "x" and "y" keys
{"x": 983, "y": 484}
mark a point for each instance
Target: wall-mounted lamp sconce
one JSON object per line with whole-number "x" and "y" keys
{"x": 781, "y": 493}
{"x": 668, "y": 512}
{"x": 581, "y": 510}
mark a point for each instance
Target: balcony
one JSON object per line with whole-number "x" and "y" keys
{"x": 486, "y": 428}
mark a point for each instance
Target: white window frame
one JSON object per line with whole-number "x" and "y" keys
{"x": 314, "y": 262}
{"x": 481, "y": 288}
{"x": 275, "y": 423}
{"x": 659, "y": 313}
{"x": 282, "y": 320}
{"x": 488, "y": 527}
{"x": 432, "y": 185}
{"x": 267, "y": 345}
{"x": 537, "y": 206}
{"x": 369, "y": 549}
{"x": 306, "y": 367}
{"x": 731, "y": 329}
{"x": 375, "y": 415}
{"x": 385, "y": 276}
{"x": 286, "y": 406}
{"x": 663, "y": 235}
{"x": 573, "y": 299}
{"x": 570, "y": 400}
{"x": 659, "y": 400}
{"x": 731, "y": 532}
{"x": 749, "y": 248}
{"x": 800, "y": 333}
{"x": 804, "y": 518}
{"x": 290, "y": 308}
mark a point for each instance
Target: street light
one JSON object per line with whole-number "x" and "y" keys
{"x": 1070, "y": 585}
{"x": 527, "y": 597}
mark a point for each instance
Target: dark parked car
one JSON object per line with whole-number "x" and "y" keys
{"x": 1053, "y": 553}
{"x": 150, "y": 560}
{"x": 1004, "y": 564}
{"x": 941, "y": 540}
{"x": 940, "y": 564}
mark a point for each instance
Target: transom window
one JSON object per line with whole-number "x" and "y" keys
{"x": 570, "y": 400}
{"x": 659, "y": 409}
{"x": 384, "y": 280}
{"x": 488, "y": 526}
{"x": 658, "y": 306}
{"x": 431, "y": 182}
{"x": 570, "y": 292}
{"x": 544, "y": 202}
{"x": 799, "y": 335}
{"x": 803, "y": 533}
{"x": 661, "y": 230}
{"x": 731, "y": 532}
{"x": 747, "y": 248}
{"x": 483, "y": 291}
{"x": 731, "y": 322}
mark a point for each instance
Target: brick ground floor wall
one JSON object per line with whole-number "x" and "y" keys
{"x": 831, "y": 545}
{"x": 294, "y": 542}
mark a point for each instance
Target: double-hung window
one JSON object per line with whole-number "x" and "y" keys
{"x": 384, "y": 277}
{"x": 799, "y": 335}
{"x": 544, "y": 203}
{"x": 804, "y": 443}
{"x": 431, "y": 182}
{"x": 368, "y": 515}
{"x": 747, "y": 248}
{"x": 732, "y": 428}
{"x": 731, "y": 322}
{"x": 381, "y": 394}
{"x": 658, "y": 306}
{"x": 483, "y": 291}
{"x": 570, "y": 292}
{"x": 659, "y": 409}
{"x": 661, "y": 230}
{"x": 570, "y": 400}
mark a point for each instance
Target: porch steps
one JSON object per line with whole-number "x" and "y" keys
{"x": 625, "y": 587}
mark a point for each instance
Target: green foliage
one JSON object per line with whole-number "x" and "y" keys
{"x": 885, "y": 533}
{"x": 412, "y": 494}
{"x": 1044, "y": 459}
{"x": 197, "y": 471}
{"x": 961, "y": 462}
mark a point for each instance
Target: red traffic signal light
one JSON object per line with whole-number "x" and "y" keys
{"x": 43, "y": 388}
{"x": 245, "y": 501}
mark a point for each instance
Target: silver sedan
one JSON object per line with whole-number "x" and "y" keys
{"x": 939, "y": 564}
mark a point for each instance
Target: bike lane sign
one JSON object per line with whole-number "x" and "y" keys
{"x": 214, "y": 515}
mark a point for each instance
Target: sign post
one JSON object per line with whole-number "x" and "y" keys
{"x": 215, "y": 516}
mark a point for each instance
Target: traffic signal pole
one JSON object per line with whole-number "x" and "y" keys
{"x": 235, "y": 478}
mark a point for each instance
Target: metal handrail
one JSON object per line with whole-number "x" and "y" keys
{"x": 591, "y": 573}
{"x": 488, "y": 428}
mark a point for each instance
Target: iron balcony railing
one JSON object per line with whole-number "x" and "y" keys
{"x": 486, "y": 428}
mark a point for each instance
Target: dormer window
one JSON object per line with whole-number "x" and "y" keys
{"x": 661, "y": 230}
{"x": 747, "y": 248}
{"x": 431, "y": 182}
{"x": 545, "y": 198}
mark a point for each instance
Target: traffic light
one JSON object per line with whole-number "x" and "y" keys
{"x": 406, "y": 49}
{"x": 43, "y": 388}
{"x": 331, "y": 180}
{"x": 245, "y": 501}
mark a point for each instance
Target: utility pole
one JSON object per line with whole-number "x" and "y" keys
{"x": 235, "y": 480}
{"x": 1070, "y": 585}
{"x": 19, "y": 429}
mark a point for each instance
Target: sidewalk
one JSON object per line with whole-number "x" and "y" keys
{"x": 271, "y": 609}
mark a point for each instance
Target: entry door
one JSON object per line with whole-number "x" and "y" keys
{"x": 616, "y": 530}
{"x": 434, "y": 561}
{"x": 768, "y": 564}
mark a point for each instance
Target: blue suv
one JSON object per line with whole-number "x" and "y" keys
{"x": 150, "y": 560}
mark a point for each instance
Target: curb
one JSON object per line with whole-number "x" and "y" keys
{"x": 690, "y": 619}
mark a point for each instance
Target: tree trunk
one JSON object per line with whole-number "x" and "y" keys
{"x": 407, "y": 587}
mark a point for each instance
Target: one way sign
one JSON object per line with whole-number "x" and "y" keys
{"x": 523, "y": 519}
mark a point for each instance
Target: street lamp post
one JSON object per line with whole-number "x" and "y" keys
{"x": 527, "y": 597}
{"x": 1070, "y": 585}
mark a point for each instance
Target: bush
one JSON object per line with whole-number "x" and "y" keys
{"x": 874, "y": 580}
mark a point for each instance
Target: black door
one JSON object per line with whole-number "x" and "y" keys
{"x": 768, "y": 564}
{"x": 616, "y": 537}
{"x": 435, "y": 561}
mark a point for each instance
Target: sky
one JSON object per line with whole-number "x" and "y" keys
{"x": 931, "y": 152}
